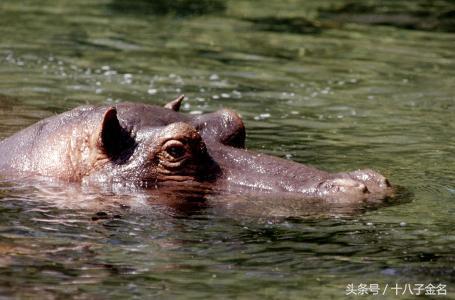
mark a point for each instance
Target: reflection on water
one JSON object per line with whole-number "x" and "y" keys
{"x": 421, "y": 15}
{"x": 163, "y": 7}
{"x": 335, "y": 85}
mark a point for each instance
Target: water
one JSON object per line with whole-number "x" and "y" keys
{"x": 318, "y": 90}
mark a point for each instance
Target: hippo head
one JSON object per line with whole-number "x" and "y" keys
{"x": 144, "y": 145}
{"x": 150, "y": 146}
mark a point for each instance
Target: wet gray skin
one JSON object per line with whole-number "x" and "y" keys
{"x": 149, "y": 146}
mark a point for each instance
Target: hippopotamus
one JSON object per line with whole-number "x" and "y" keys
{"x": 148, "y": 147}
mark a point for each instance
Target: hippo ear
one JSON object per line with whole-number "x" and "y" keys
{"x": 175, "y": 104}
{"x": 113, "y": 139}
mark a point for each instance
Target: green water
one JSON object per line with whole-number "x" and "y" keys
{"x": 310, "y": 85}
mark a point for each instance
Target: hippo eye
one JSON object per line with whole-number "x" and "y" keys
{"x": 175, "y": 149}
{"x": 176, "y": 152}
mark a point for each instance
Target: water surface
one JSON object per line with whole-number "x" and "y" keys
{"x": 311, "y": 84}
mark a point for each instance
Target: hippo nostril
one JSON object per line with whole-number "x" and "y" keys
{"x": 387, "y": 182}
{"x": 363, "y": 188}
{"x": 382, "y": 182}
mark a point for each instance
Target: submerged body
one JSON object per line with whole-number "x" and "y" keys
{"x": 150, "y": 146}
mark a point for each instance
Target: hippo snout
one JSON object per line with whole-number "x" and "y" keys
{"x": 374, "y": 181}
{"x": 359, "y": 184}
{"x": 342, "y": 189}
{"x": 344, "y": 185}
